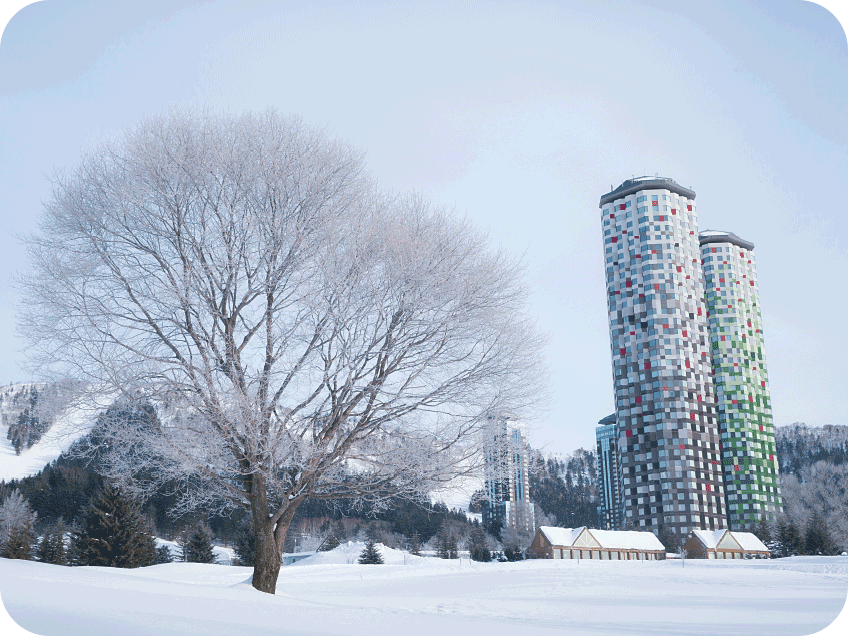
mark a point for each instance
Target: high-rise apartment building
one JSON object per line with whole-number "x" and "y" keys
{"x": 507, "y": 482}
{"x": 610, "y": 512}
{"x": 668, "y": 437}
{"x": 749, "y": 455}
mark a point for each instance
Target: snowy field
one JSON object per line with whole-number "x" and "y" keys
{"x": 331, "y": 594}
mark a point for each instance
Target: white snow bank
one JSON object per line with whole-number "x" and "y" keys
{"x": 779, "y": 597}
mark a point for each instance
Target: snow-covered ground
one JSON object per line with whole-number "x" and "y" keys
{"x": 330, "y": 594}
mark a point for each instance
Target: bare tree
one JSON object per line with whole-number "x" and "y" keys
{"x": 282, "y": 330}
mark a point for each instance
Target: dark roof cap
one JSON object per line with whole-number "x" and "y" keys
{"x": 646, "y": 183}
{"x": 713, "y": 236}
{"x": 609, "y": 419}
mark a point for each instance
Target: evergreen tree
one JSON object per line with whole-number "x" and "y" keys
{"x": 446, "y": 543}
{"x": 113, "y": 534}
{"x": 479, "y": 544}
{"x": 245, "y": 545}
{"x": 790, "y": 539}
{"x": 52, "y": 549}
{"x": 198, "y": 547}
{"x": 370, "y": 555}
{"x": 668, "y": 538}
{"x": 163, "y": 555}
{"x": 817, "y": 538}
{"x": 17, "y": 527}
{"x": 415, "y": 544}
{"x": 331, "y": 541}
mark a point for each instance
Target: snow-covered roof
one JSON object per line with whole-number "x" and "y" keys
{"x": 746, "y": 540}
{"x": 611, "y": 539}
{"x": 709, "y": 538}
{"x": 749, "y": 541}
{"x": 561, "y": 536}
{"x": 627, "y": 540}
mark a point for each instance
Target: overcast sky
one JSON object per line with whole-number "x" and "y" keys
{"x": 520, "y": 115}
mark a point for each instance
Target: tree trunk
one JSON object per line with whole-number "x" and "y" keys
{"x": 270, "y": 539}
{"x": 266, "y": 564}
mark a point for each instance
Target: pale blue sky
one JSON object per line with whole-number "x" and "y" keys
{"x": 521, "y": 115}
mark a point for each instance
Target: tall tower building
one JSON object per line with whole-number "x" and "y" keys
{"x": 610, "y": 512}
{"x": 507, "y": 481}
{"x": 668, "y": 438}
{"x": 749, "y": 455}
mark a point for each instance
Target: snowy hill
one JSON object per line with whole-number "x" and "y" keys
{"x": 50, "y": 431}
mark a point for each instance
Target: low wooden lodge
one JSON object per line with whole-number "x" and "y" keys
{"x": 724, "y": 544}
{"x": 603, "y": 545}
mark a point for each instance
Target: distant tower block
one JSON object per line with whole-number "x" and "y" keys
{"x": 749, "y": 455}
{"x": 506, "y": 472}
{"x": 668, "y": 437}
{"x": 610, "y": 512}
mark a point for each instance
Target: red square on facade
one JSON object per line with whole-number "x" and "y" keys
{"x": 763, "y": 383}
{"x": 615, "y": 239}
{"x": 709, "y": 488}
{"x": 735, "y": 466}
{"x": 629, "y": 283}
{"x": 691, "y": 417}
{"x": 689, "y": 207}
{"x": 699, "y": 311}
{"x": 622, "y": 351}
{"x": 656, "y": 287}
{"x": 655, "y": 203}
{"x": 688, "y": 364}
{"x": 612, "y": 216}
{"x": 699, "y": 398}
{"x": 722, "y": 338}
{"x": 679, "y": 268}
{"x": 771, "y": 458}
{"x": 622, "y": 206}
{"x": 647, "y": 365}
{"x": 750, "y": 398}
{"x": 629, "y": 433}
{"x": 638, "y": 399}
{"x": 662, "y": 217}
{"x": 714, "y": 250}
{"x": 761, "y": 427}
{"x": 685, "y": 333}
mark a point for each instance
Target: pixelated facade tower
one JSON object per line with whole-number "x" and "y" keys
{"x": 665, "y": 418}
{"x": 749, "y": 455}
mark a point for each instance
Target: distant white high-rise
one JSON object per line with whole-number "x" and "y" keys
{"x": 506, "y": 472}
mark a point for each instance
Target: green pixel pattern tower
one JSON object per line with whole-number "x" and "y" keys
{"x": 748, "y": 452}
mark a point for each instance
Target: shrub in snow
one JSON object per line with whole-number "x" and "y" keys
{"x": 17, "y": 523}
{"x": 370, "y": 554}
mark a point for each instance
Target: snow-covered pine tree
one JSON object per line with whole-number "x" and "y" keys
{"x": 17, "y": 527}
{"x": 370, "y": 555}
{"x": 198, "y": 547}
{"x": 114, "y": 534}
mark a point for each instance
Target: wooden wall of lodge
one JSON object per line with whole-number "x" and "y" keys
{"x": 603, "y": 554}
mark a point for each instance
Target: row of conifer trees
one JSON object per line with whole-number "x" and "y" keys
{"x": 113, "y": 533}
